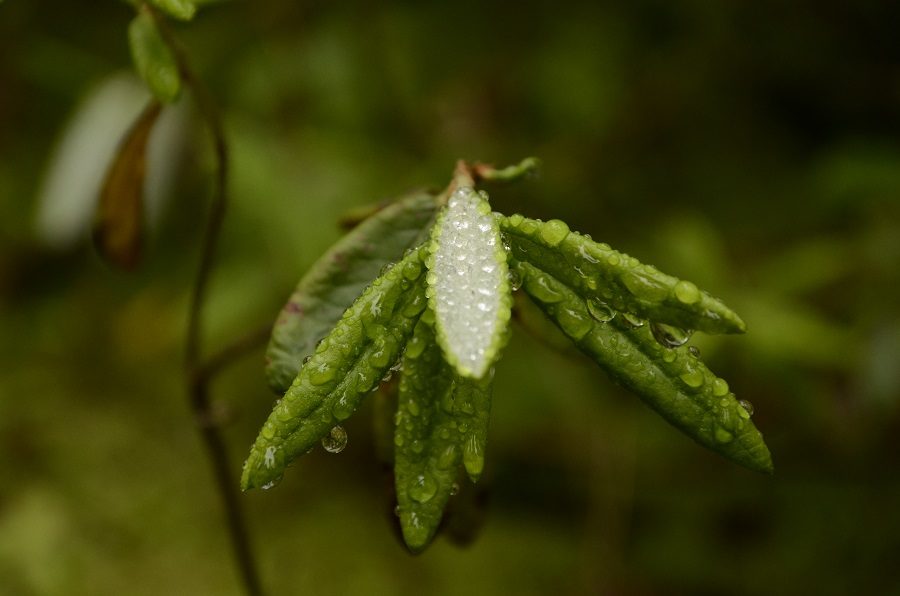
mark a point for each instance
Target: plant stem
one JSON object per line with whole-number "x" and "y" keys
{"x": 198, "y": 374}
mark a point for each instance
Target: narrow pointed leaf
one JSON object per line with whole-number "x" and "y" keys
{"x": 468, "y": 284}
{"x": 442, "y": 421}
{"x": 597, "y": 272}
{"x": 118, "y": 225}
{"x": 671, "y": 381}
{"x": 348, "y": 363}
{"x": 473, "y": 411}
{"x": 427, "y": 449}
{"x": 153, "y": 59}
{"x": 338, "y": 277}
{"x": 183, "y": 10}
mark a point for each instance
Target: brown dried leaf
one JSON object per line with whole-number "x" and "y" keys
{"x": 118, "y": 226}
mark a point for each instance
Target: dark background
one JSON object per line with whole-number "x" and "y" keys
{"x": 752, "y": 147}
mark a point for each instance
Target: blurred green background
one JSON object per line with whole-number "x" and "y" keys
{"x": 751, "y": 147}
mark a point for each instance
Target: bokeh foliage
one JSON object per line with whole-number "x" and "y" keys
{"x": 751, "y": 147}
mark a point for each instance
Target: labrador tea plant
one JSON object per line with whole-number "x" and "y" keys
{"x": 423, "y": 288}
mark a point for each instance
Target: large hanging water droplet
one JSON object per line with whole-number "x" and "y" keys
{"x": 747, "y": 406}
{"x": 600, "y": 310}
{"x": 336, "y": 440}
{"x": 423, "y": 489}
{"x": 669, "y": 336}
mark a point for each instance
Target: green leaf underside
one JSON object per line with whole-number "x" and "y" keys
{"x": 183, "y": 10}
{"x": 596, "y": 272}
{"x": 347, "y": 365}
{"x": 671, "y": 381}
{"x": 337, "y": 278}
{"x": 153, "y": 59}
{"x": 441, "y": 421}
{"x": 468, "y": 284}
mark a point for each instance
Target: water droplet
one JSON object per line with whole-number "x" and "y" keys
{"x": 668, "y": 336}
{"x": 515, "y": 280}
{"x": 412, "y": 270}
{"x": 269, "y": 457}
{"x": 539, "y": 288}
{"x": 747, "y": 406}
{"x": 321, "y": 373}
{"x": 454, "y": 489}
{"x": 384, "y": 269}
{"x": 269, "y": 485}
{"x": 686, "y": 292}
{"x": 423, "y": 489}
{"x": 473, "y": 457}
{"x": 643, "y": 285}
{"x": 397, "y": 510}
{"x": 343, "y": 407}
{"x": 631, "y": 320}
{"x": 554, "y": 231}
{"x": 336, "y": 440}
{"x": 448, "y": 457}
{"x": 720, "y": 387}
{"x": 693, "y": 379}
{"x": 515, "y": 220}
{"x": 307, "y": 359}
{"x": 723, "y": 435}
{"x": 695, "y": 351}
{"x": 600, "y": 310}
{"x": 574, "y": 323}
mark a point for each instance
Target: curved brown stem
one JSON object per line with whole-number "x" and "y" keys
{"x": 198, "y": 374}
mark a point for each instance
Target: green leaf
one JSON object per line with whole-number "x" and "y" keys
{"x": 153, "y": 59}
{"x": 468, "y": 284}
{"x": 348, "y": 364}
{"x": 338, "y": 277}
{"x": 615, "y": 280}
{"x": 442, "y": 419}
{"x": 183, "y": 10}
{"x": 674, "y": 382}
{"x": 118, "y": 225}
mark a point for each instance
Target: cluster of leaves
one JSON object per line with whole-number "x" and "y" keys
{"x": 424, "y": 286}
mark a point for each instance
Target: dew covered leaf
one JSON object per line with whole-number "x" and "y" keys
{"x": 615, "y": 280}
{"x": 347, "y": 365}
{"x": 118, "y": 224}
{"x": 338, "y": 277}
{"x": 441, "y": 422}
{"x": 672, "y": 381}
{"x": 153, "y": 59}
{"x": 468, "y": 284}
